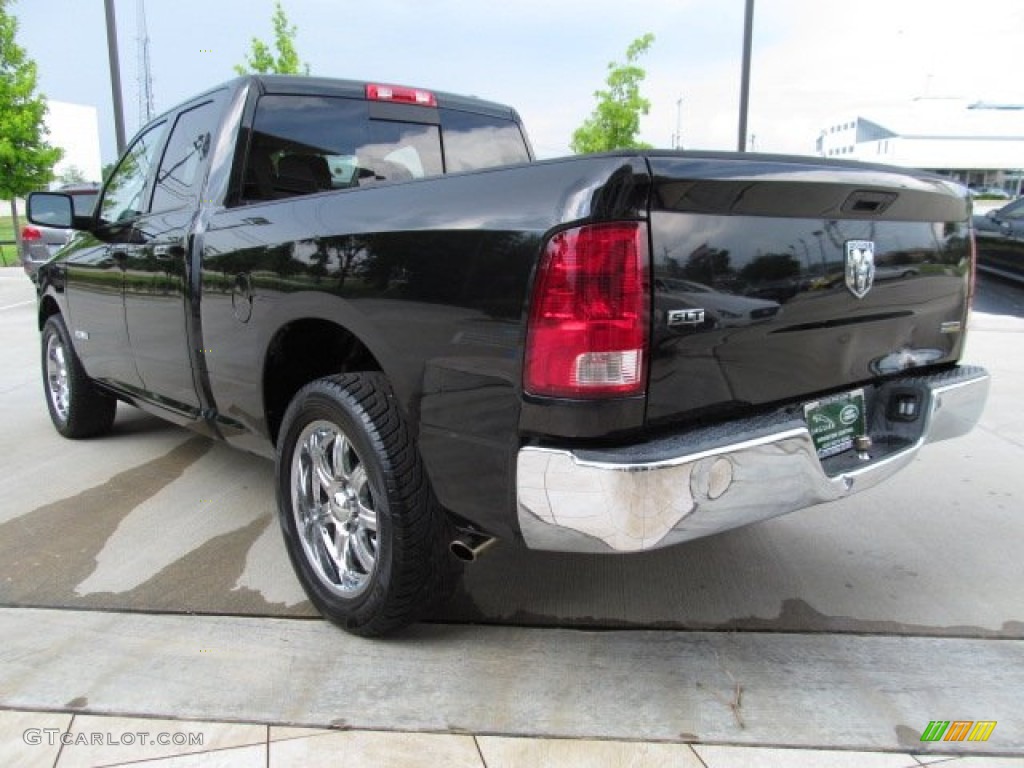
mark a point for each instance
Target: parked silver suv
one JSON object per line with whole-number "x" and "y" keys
{"x": 39, "y": 243}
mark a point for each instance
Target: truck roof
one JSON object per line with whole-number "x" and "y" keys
{"x": 325, "y": 86}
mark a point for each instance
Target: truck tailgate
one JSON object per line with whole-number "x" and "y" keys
{"x": 779, "y": 280}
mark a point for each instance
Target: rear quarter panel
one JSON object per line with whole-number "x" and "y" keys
{"x": 432, "y": 276}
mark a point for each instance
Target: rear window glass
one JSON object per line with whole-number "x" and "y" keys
{"x": 473, "y": 141}
{"x": 306, "y": 144}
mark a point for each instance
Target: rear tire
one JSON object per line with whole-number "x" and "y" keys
{"x": 363, "y": 530}
{"x": 77, "y": 408}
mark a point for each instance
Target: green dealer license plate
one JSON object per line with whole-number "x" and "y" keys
{"x": 835, "y": 421}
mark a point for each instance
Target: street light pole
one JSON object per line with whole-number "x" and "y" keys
{"x": 115, "y": 75}
{"x": 677, "y": 139}
{"x": 748, "y": 34}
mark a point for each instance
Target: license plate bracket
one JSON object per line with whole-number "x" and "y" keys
{"x": 835, "y": 421}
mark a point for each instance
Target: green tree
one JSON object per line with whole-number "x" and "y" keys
{"x": 72, "y": 174}
{"x": 615, "y": 121}
{"x": 261, "y": 59}
{"x": 26, "y": 160}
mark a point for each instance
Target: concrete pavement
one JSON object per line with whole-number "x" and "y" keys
{"x": 829, "y": 637}
{"x": 674, "y": 698}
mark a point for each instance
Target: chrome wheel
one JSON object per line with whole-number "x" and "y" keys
{"x": 57, "y": 385}
{"x": 334, "y": 509}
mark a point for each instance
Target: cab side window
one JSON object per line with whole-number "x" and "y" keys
{"x": 123, "y": 199}
{"x": 178, "y": 179}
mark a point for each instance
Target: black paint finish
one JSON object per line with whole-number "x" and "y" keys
{"x": 214, "y": 313}
{"x": 431, "y": 277}
{"x": 759, "y": 246}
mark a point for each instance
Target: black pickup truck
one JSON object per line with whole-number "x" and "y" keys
{"x": 443, "y": 342}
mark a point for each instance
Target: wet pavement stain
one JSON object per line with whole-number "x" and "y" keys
{"x": 799, "y": 616}
{"x": 795, "y": 616}
{"x": 44, "y": 554}
{"x": 203, "y": 581}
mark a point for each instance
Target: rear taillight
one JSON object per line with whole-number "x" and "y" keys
{"x": 31, "y": 233}
{"x": 589, "y": 314}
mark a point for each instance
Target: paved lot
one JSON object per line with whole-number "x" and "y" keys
{"x": 154, "y": 519}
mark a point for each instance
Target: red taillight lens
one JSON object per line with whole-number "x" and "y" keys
{"x": 589, "y": 315}
{"x": 400, "y": 94}
{"x": 31, "y": 233}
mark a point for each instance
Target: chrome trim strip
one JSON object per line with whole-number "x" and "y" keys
{"x": 574, "y": 504}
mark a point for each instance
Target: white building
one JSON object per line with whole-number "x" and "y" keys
{"x": 978, "y": 143}
{"x": 75, "y": 128}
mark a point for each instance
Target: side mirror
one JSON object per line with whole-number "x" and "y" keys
{"x": 51, "y": 209}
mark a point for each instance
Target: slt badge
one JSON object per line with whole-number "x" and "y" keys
{"x": 860, "y": 266}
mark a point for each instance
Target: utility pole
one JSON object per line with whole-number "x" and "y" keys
{"x": 145, "y": 79}
{"x": 748, "y": 34}
{"x": 677, "y": 137}
{"x": 115, "y": 75}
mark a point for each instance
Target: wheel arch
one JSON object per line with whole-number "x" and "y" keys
{"x": 48, "y": 307}
{"x": 303, "y": 350}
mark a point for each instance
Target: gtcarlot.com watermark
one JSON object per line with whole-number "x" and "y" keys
{"x": 54, "y": 736}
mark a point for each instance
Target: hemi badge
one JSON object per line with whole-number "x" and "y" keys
{"x": 677, "y": 317}
{"x": 954, "y": 326}
{"x": 83, "y": 335}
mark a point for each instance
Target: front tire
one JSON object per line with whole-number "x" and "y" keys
{"x": 77, "y": 408}
{"x": 363, "y": 530}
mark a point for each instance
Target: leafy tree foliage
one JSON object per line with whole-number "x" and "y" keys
{"x": 261, "y": 59}
{"x": 615, "y": 121}
{"x": 72, "y": 174}
{"x": 26, "y": 160}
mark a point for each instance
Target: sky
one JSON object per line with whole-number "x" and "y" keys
{"x": 814, "y": 61}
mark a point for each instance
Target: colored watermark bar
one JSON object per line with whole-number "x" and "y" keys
{"x": 958, "y": 730}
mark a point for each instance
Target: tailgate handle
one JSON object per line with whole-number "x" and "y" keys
{"x": 866, "y": 201}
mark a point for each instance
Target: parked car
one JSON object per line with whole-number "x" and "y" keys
{"x": 442, "y": 342}
{"x": 39, "y": 242}
{"x": 1000, "y": 238}
{"x": 990, "y": 193}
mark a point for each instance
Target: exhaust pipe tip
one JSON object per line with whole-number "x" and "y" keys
{"x": 467, "y": 552}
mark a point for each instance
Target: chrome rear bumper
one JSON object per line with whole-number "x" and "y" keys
{"x": 683, "y": 487}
